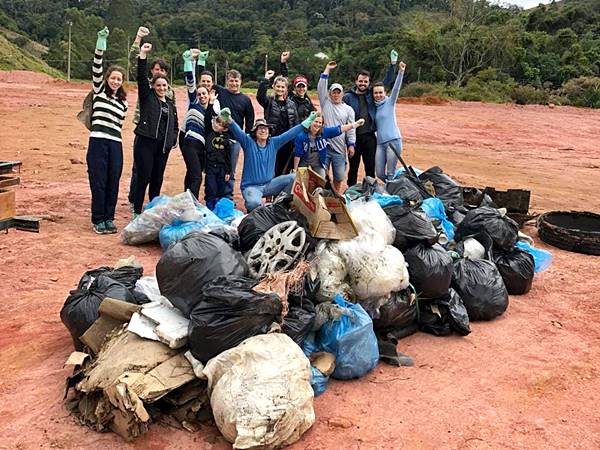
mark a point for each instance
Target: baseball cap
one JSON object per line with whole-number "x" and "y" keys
{"x": 336, "y": 86}
{"x": 300, "y": 80}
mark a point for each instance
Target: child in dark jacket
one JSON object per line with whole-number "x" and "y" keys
{"x": 218, "y": 154}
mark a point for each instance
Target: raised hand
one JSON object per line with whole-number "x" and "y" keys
{"x": 212, "y": 96}
{"x": 195, "y": 53}
{"x": 146, "y": 48}
{"x": 202, "y": 57}
{"x": 142, "y": 32}
{"x": 102, "y": 36}
{"x": 402, "y": 66}
{"x": 269, "y": 74}
{"x": 285, "y": 56}
{"x": 394, "y": 57}
{"x": 306, "y": 123}
{"x": 331, "y": 65}
{"x": 187, "y": 61}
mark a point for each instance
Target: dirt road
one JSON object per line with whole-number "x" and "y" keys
{"x": 527, "y": 380}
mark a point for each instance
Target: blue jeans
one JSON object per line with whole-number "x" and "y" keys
{"x": 235, "y": 155}
{"x": 386, "y": 159}
{"x": 338, "y": 163}
{"x": 253, "y": 194}
{"x": 215, "y": 186}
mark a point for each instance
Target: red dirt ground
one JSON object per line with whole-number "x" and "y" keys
{"x": 529, "y": 379}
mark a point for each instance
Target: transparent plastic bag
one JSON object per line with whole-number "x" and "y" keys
{"x": 369, "y": 217}
{"x": 332, "y": 273}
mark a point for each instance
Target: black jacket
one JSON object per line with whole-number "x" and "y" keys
{"x": 217, "y": 146}
{"x": 275, "y": 110}
{"x": 150, "y": 110}
{"x": 304, "y": 105}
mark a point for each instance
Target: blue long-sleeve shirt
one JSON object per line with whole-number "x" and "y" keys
{"x": 302, "y": 143}
{"x": 259, "y": 162}
{"x": 385, "y": 115}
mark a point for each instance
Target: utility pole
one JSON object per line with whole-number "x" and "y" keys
{"x": 127, "y": 53}
{"x": 216, "y": 74}
{"x": 69, "y": 53}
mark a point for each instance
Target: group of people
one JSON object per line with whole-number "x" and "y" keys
{"x": 219, "y": 122}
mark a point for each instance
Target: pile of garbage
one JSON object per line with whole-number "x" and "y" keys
{"x": 310, "y": 287}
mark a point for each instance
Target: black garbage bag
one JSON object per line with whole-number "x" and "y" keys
{"x": 227, "y": 312}
{"x": 446, "y": 189}
{"x": 480, "y": 285}
{"x": 405, "y": 188}
{"x": 430, "y": 270}
{"x": 444, "y": 315}
{"x": 412, "y": 226}
{"x": 398, "y": 317}
{"x": 80, "y": 310}
{"x": 474, "y": 198}
{"x": 455, "y": 215}
{"x": 367, "y": 188}
{"x": 299, "y": 320}
{"x": 517, "y": 270}
{"x": 126, "y": 275}
{"x": 189, "y": 264}
{"x": 502, "y": 229}
{"x": 263, "y": 218}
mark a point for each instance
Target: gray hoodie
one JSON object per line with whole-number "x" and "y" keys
{"x": 336, "y": 114}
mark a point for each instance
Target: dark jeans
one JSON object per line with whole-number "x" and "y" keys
{"x": 150, "y": 163}
{"x": 105, "y": 164}
{"x": 285, "y": 160}
{"x": 193, "y": 155}
{"x": 365, "y": 148}
{"x": 215, "y": 186}
{"x": 133, "y": 176}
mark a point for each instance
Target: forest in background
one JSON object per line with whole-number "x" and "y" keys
{"x": 463, "y": 49}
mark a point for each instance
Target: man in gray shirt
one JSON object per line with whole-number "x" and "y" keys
{"x": 336, "y": 112}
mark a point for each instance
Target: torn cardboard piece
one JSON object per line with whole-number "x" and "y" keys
{"x": 327, "y": 217}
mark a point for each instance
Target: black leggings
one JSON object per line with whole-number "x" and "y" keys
{"x": 193, "y": 155}
{"x": 365, "y": 148}
{"x": 150, "y": 163}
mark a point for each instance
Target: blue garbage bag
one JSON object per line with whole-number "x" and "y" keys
{"x": 160, "y": 200}
{"x": 176, "y": 232}
{"x": 351, "y": 339}
{"x": 318, "y": 381}
{"x": 401, "y": 170}
{"x": 387, "y": 200}
{"x": 434, "y": 208}
{"x": 225, "y": 210}
{"x": 309, "y": 346}
{"x": 542, "y": 259}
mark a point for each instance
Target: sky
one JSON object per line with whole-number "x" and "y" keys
{"x": 522, "y": 3}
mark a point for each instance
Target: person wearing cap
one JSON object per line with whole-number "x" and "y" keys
{"x": 217, "y": 164}
{"x": 389, "y": 140}
{"x": 336, "y": 112}
{"x": 280, "y": 112}
{"x": 298, "y": 89}
{"x": 311, "y": 145}
{"x": 260, "y": 152}
{"x": 360, "y": 98}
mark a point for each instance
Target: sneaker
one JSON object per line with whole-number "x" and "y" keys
{"x": 134, "y": 216}
{"x": 110, "y": 227}
{"x": 99, "y": 228}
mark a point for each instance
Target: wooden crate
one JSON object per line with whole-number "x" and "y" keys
{"x": 7, "y": 204}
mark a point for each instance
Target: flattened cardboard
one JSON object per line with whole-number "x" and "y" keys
{"x": 327, "y": 217}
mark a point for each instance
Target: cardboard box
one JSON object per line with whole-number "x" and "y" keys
{"x": 7, "y": 204}
{"x": 327, "y": 217}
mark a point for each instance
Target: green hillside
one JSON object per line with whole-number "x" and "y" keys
{"x": 20, "y": 53}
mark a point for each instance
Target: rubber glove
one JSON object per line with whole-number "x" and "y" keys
{"x": 306, "y": 123}
{"x": 101, "y": 41}
{"x": 202, "y": 58}
{"x": 394, "y": 57}
{"x": 225, "y": 115}
{"x": 188, "y": 66}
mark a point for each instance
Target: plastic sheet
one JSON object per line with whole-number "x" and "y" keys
{"x": 541, "y": 258}
{"x": 434, "y": 208}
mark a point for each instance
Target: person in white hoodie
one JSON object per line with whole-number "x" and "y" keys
{"x": 389, "y": 139}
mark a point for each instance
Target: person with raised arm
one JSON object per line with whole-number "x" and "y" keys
{"x": 105, "y": 150}
{"x": 260, "y": 153}
{"x": 311, "y": 145}
{"x": 336, "y": 112}
{"x": 156, "y": 133}
{"x": 298, "y": 89}
{"x": 279, "y": 112}
{"x": 360, "y": 98}
{"x": 389, "y": 139}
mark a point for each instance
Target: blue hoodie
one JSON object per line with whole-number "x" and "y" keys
{"x": 259, "y": 162}
{"x": 302, "y": 143}
{"x": 385, "y": 114}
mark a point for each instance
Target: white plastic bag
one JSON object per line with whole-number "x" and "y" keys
{"x": 260, "y": 392}
{"x": 332, "y": 273}
{"x": 473, "y": 249}
{"x": 145, "y": 228}
{"x": 369, "y": 217}
{"x": 374, "y": 269}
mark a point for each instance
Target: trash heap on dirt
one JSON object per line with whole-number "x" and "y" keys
{"x": 248, "y": 316}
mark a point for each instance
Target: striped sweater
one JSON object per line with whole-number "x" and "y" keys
{"x": 108, "y": 113}
{"x": 193, "y": 122}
